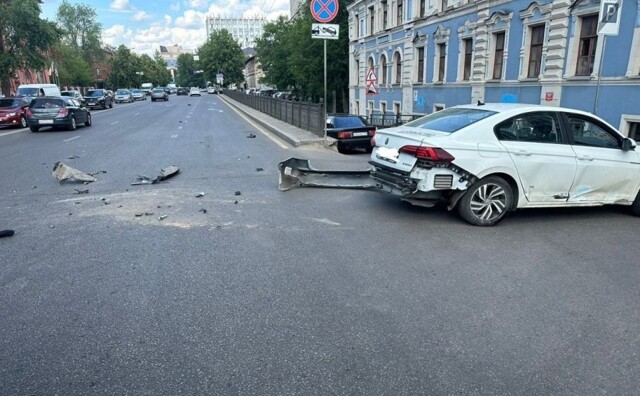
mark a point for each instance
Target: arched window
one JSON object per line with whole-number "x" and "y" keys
{"x": 383, "y": 69}
{"x": 397, "y": 65}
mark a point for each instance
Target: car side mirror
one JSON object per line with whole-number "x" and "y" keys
{"x": 628, "y": 144}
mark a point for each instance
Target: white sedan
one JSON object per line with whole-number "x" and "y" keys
{"x": 193, "y": 91}
{"x": 489, "y": 159}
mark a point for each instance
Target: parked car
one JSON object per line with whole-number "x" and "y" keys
{"x": 351, "y": 131}
{"x": 57, "y": 112}
{"x": 490, "y": 159}
{"x": 123, "y": 96}
{"x": 194, "y": 91}
{"x": 35, "y": 90}
{"x": 211, "y": 90}
{"x": 13, "y": 112}
{"x": 73, "y": 94}
{"x": 138, "y": 94}
{"x": 182, "y": 91}
{"x": 96, "y": 98}
{"x": 159, "y": 94}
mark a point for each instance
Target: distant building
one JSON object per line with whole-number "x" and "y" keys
{"x": 244, "y": 30}
{"x": 170, "y": 53}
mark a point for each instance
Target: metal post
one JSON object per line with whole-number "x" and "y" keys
{"x": 324, "y": 107}
{"x": 595, "y": 103}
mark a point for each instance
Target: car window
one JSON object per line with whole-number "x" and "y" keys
{"x": 346, "y": 122}
{"x": 586, "y": 132}
{"x": 9, "y": 103}
{"x": 450, "y": 120}
{"x": 537, "y": 127}
{"x": 95, "y": 93}
{"x": 47, "y": 104}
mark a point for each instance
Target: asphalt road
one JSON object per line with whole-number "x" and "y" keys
{"x": 310, "y": 291}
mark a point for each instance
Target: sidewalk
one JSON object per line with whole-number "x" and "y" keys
{"x": 287, "y": 132}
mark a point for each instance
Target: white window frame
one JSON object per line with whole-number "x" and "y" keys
{"x": 465, "y": 32}
{"x": 625, "y": 120}
{"x": 633, "y": 70}
{"x": 441, "y": 36}
{"x": 529, "y": 21}
{"x": 382, "y": 74}
{"x": 574, "y": 44}
{"x": 498, "y": 23}
{"x": 394, "y": 68}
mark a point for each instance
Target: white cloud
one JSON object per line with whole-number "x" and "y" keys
{"x": 116, "y": 35}
{"x": 141, "y": 16}
{"x": 120, "y": 4}
{"x": 198, "y": 3}
{"x": 191, "y": 20}
{"x": 167, "y": 19}
{"x": 175, "y": 6}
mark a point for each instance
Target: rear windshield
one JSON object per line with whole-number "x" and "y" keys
{"x": 450, "y": 120}
{"x": 346, "y": 122}
{"x": 9, "y": 103}
{"x": 122, "y": 92}
{"x": 136, "y": 91}
{"x": 66, "y": 93}
{"x": 47, "y": 104}
{"x": 158, "y": 90}
{"x": 95, "y": 92}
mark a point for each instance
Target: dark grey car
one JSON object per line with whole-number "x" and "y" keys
{"x": 57, "y": 112}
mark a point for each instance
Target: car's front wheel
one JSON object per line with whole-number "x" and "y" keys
{"x": 88, "y": 121}
{"x": 486, "y": 202}
{"x": 34, "y": 128}
{"x": 23, "y": 122}
{"x": 73, "y": 126}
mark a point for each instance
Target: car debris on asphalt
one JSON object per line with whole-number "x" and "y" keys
{"x": 165, "y": 173}
{"x": 238, "y": 193}
{"x": 73, "y": 156}
{"x": 251, "y": 136}
{"x": 162, "y": 217}
{"x": 200, "y": 195}
{"x": 259, "y": 169}
{"x": 202, "y": 210}
{"x": 6, "y": 233}
{"x": 65, "y": 173}
{"x": 81, "y": 191}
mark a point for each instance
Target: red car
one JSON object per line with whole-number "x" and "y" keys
{"x": 12, "y": 112}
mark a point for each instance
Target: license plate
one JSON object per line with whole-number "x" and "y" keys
{"x": 387, "y": 154}
{"x": 360, "y": 133}
{"x": 45, "y": 122}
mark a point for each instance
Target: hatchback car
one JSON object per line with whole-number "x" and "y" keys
{"x": 98, "y": 98}
{"x": 351, "y": 132}
{"x": 489, "y": 159}
{"x": 57, "y": 112}
{"x": 194, "y": 91}
{"x": 159, "y": 94}
{"x": 182, "y": 91}
{"x": 123, "y": 96}
{"x": 13, "y": 112}
{"x": 73, "y": 94}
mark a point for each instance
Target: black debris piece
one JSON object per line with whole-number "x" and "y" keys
{"x": 35, "y": 187}
{"x": 259, "y": 169}
{"x": 202, "y": 210}
{"x": 235, "y": 203}
{"x": 138, "y": 214}
{"x": 200, "y": 195}
{"x": 148, "y": 213}
{"x": 73, "y": 156}
{"x": 251, "y": 136}
{"x": 218, "y": 227}
{"x": 238, "y": 193}
{"x": 97, "y": 173}
{"x": 165, "y": 174}
{"x": 162, "y": 217}
{"x": 6, "y": 233}
{"x": 81, "y": 191}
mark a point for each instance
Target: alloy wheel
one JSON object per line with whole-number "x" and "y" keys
{"x": 488, "y": 202}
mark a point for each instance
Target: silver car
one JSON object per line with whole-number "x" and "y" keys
{"x": 159, "y": 94}
{"x": 123, "y": 96}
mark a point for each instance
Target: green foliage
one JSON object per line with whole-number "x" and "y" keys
{"x": 292, "y": 60}
{"x": 25, "y": 38}
{"x": 222, "y": 54}
{"x": 73, "y": 68}
{"x": 187, "y": 76}
{"x": 129, "y": 70}
{"x": 80, "y": 28}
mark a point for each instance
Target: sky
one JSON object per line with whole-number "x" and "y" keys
{"x": 145, "y": 25}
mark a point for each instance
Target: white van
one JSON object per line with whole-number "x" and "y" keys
{"x": 33, "y": 90}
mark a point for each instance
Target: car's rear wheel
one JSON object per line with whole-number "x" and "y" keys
{"x": 342, "y": 149}
{"x": 486, "y": 202}
{"x": 34, "y": 128}
{"x": 111, "y": 105}
{"x": 73, "y": 126}
{"x": 635, "y": 207}
{"x": 88, "y": 121}
{"x": 23, "y": 122}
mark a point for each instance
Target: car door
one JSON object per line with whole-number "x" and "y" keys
{"x": 544, "y": 160}
{"x": 605, "y": 173}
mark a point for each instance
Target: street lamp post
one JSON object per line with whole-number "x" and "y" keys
{"x": 139, "y": 73}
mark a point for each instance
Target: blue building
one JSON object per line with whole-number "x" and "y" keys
{"x": 420, "y": 56}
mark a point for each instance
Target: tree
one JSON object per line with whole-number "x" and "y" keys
{"x": 222, "y": 54}
{"x": 73, "y": 68}
{"x": 123, "y": 68}
{"x": 80, "y": 28}
{"x": 186, "y": 71}
{"x": 291, "y": 59}
{"x": 25, "y": 38}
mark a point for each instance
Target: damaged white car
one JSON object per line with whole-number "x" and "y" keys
{"x": 489, "y": 159}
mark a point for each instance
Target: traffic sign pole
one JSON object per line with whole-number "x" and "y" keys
{"x": 325, "y": 92}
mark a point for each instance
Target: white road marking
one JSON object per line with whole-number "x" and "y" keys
{"x": 325, "y": 221}
{"x": 73, "y": 138}
{"x": 115, "y": 122}
{"x": 180, "y": 127}
{"x": 136, "y": 113}
{"x": 221, "y": 111}
{"x": 174, "y": 136}
{"x": 12, "y": 132}
{"x": 188, "y": 116}
{"x": 259, "y": 128}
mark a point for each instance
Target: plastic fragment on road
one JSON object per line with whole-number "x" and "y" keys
{"x": 162, "y": 217}
{"x": 6, "y": 233}
{"x": 65, "y": 173}
{"x": 165, "y": 173}
{"x": 81, "y": 191}
{"x": 251, "y": 136}
{"x": 259, "y": 169}
{"x": 202, "y": 210}
{"x": 200, "y": 195}
{"x": 238, "y": 193}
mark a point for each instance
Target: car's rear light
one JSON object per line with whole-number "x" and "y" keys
{"x": 28, "y": 112}
{"x": 372, "y": 132}
{"x": 344, "y": 135}
{"x": 63, "y": 112}
{"x": 428, "y": 153}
